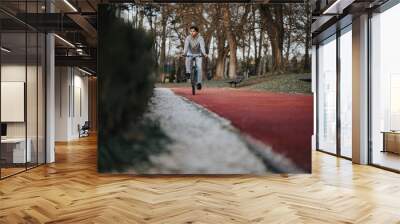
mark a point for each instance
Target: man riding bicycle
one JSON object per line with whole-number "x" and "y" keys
{"x": 194, "y": 46}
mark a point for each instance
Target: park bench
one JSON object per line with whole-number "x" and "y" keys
{"x": 306, "y": 79}
{"x": 236, "y": 81}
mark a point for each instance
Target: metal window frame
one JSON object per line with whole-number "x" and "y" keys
{"x": 340, "y": 30}
{"x": 44, "y": 75}
{"x": 323, "y": 36}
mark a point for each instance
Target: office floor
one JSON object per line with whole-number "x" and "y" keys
{"x": 387, "y": 159}
{"x": 71, "y": 191}
{"x": 9, "y": 170}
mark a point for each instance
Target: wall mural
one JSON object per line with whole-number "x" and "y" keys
{"x": 204, "y": 89}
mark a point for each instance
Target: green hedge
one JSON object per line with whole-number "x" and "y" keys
{"x": 126, "y": 75}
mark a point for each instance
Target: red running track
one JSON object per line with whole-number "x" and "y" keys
{"x": 283, "y": 121}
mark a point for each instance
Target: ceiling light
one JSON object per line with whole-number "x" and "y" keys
{"x": 334, "y": 5}
{"x": 337, "y": 7}
{"x": 79, "y": 51}
{"x": 70, "y": 5}
{"x": 86, "y": 72}
{"x": 5, "y": 50}
{"x": 65, "y": 41}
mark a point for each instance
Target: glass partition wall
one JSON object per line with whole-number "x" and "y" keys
{"x": 334, "y": 94}
{"x": 22, "y": 88}
{"x": 334, "y": 90}
{"x": 385, "y": 89}
{"x": 327, "y": 95}
{"x": 346, "y": 95}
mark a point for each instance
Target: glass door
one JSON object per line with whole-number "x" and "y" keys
{"x": 346, "y": 74}
{"x": 327, "y": 95}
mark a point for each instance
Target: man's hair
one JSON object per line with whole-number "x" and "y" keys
{"x": 194, "y": 28}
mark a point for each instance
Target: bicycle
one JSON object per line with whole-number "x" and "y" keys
{"x": 193, "y": 73}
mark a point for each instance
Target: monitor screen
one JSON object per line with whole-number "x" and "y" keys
{"x": 3, "y": 129}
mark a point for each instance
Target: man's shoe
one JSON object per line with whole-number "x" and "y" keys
{"x": 199, "y": 86}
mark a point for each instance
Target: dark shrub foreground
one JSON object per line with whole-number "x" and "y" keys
{"x": 126, "y": 71}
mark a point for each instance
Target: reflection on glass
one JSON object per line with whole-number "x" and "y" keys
{"x": 22, "y": 90}
{"x": 346, "y": 93}
{"x": 15, "y": 151}
{"x": 327, "y": 96}
{"x": 386, "y": 89}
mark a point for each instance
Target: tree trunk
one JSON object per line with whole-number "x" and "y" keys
{"x": 281, "y": 31}
{"x": 274, "y": 25}
{"x": 260, "y": 44}
{"x": 265, "y": 62}
{"x": 164, "y": 18}
{"x": 307, "y": 66}
{"x": 232, "y": 57}
{"x": 231, "y": 42}
{"x": 290, "y": 27}
{"x": 221, "y": 52}
{"x": 276, "y": 55}
{"x": 220, "y": 66}
{"x": 244, "y": 49}
{"x": 244, "y": 60}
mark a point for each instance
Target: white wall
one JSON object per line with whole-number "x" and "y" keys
{"x": 62, "y": 81}
{"x": 71, "y": 94}
{"x": 13, "y": 101}
{"x": 81, "y": 104}
{"x": 17, "y": 73}
{"x": 12, "y": 73}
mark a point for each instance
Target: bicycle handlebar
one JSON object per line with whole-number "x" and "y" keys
{"x": 193, "y": 56}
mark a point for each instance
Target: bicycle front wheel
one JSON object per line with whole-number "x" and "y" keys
{"x": 193, "y": 79}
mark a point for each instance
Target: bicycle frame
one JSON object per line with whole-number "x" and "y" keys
{"x": 194, "y": 72}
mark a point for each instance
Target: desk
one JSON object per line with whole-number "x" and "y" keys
{"x": 391, "y": 141}
{"x": 15, "y": 148}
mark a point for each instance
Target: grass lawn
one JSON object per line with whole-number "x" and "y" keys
{"x": 288, "y": 83}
